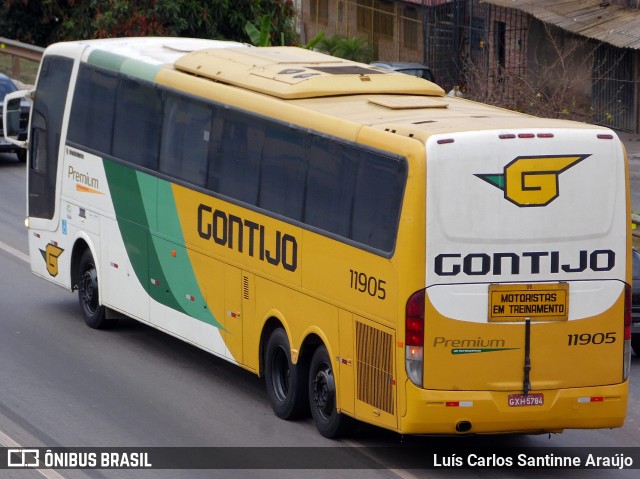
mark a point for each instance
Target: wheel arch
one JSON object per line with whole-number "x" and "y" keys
{"x": 273, "y": 322}
{"x": 310, "y": 343}
{"x": 81, "y": 244}
{"x": 312, "y": 339}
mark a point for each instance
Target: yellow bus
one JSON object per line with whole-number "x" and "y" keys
{"x": 375, "y": 249}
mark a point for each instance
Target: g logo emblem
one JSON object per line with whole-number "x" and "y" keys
{"x": 50, "y": 255}
{"x": 532, "y": 180}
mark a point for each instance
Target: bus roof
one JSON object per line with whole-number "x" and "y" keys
{"x": 351, "y": 91}
{"x": 421, "y": 119}
{"x": 281, "y": 72}
{"x": 290, "y": 72}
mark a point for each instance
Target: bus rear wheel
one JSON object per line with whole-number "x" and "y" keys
{"x": 285, "y": 381}
{"x": 88, "y": 295}
{"x": 322, "y": 396}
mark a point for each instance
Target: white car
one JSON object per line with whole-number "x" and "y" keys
{"x": 409, "y": 68}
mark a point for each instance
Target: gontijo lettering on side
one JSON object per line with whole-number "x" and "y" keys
{"x": 242, "y": 234}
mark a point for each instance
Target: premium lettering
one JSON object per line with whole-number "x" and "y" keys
{"x": 249, "y": 237}
{"x": 468, "y": 343}
{"x": 83, "y": 178}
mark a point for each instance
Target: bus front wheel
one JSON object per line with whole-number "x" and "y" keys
{"x": 88, "y": 297}
{"x": 322, "y": 396}
{"x": 285, "y": 381}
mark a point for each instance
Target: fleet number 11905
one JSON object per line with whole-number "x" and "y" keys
{"x": 363, "y": 283}
{"x": 584, "y": 339}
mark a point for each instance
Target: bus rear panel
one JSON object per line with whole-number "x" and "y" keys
{"x": 521, "y": 325}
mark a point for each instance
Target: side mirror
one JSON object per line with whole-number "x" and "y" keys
{"x": 11, "y": 117}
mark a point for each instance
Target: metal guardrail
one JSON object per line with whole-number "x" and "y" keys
{"x": 19, "y": 51}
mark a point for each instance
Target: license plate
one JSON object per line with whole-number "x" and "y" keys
{"x": 536, "y": 302}
{"x": 520, "y": 400}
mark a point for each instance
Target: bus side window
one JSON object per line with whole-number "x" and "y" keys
{"x": 138, "y": 123}
{"x": 186, "y": 134}
{"x": 234, "y": 169}
{"x": 330, "y": 186}
{"x": 38, "y": 143}
{"x": 284, "y": 170}
{"x": 91, "y": 122}
{"x": 377, "y": 202}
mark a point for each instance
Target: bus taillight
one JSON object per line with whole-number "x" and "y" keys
{"x": 414, "y": 337}
{"x": 627, "y": 333}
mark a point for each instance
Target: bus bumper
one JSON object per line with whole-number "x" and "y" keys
{"x": 489, "y": 412}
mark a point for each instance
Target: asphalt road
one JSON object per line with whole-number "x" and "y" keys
{"x": 63, "y": 384}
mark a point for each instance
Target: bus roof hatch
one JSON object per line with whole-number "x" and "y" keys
{"x": 291, "y": 73}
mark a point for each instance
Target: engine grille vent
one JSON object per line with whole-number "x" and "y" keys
{"x": 374, "y": 352}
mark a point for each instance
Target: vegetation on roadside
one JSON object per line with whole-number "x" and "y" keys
{"x": 351, "y": 48}
{"x": 550, "y": 83}
{"x": 42, "y": 22}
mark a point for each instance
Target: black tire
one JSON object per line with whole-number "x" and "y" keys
{"x": 322, "y": 396}
{"x": 88, "y": 294}
{"x": 285, "y": 382}
{"x": 22, "y": 155}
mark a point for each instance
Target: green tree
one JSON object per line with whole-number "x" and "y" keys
{"x": 329, "y": 44}
{"x": 349, "y": 48}
{"x": 260, "y": 37}
{"x": 43, "y": 22}
{"x": 354, "y": 48}
{"x": 275, "y": 25}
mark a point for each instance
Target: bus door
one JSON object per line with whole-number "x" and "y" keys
{"x": 46, "y": 253}
{"x": 45, "y": 134}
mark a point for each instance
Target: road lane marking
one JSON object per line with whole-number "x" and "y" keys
{"x": 14, "y": 252}
{"x": 401, "y": 473}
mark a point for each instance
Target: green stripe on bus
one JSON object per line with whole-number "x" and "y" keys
{"x": 174, "y": 258}
{"x": 128, "y": 66}
{"x": 106, "y": 59}
{"x": 135, "y": 199}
